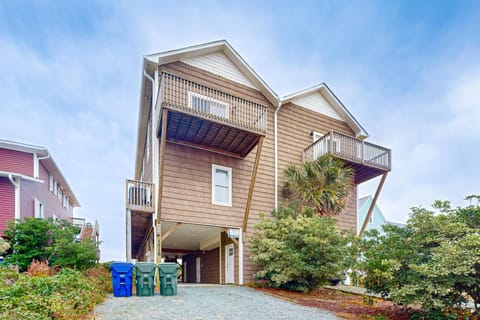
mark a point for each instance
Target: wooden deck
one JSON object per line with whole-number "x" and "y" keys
{"x": 367, "y": 159}
{"x": 204, "y": 118}
{"x": 140, "y": 200}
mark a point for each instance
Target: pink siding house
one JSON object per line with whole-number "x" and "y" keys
{"x": 32, "y": 185}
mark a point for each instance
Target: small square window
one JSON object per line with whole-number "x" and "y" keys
{"x": 221, "y": 185}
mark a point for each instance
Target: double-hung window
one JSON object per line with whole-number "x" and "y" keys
{"x": 208, "y": 105}
{"x": 221, "y": 185}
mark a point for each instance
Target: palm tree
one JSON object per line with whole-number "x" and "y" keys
{"x": 323, "y": 184}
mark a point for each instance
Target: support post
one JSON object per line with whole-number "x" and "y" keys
{"x": 372, "y": 205}
{"x": 129, "y": 235}
{"x": 252, "y": 184}
{"x": 163, "y": 142}
{"x": 240, "y": 258}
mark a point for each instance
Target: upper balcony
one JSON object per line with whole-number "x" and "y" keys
{"x": 205, "y": 118}
{"x": 368, "y": 160}
{"x": 140, "y": 196}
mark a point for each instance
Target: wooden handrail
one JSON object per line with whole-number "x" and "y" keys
{"x": 349, "y": 148}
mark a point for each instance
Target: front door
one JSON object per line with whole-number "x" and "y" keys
{"x": 229, "y": 263}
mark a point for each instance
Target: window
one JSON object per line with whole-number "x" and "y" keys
{"x": 65, "y": 202}
{"x": 208, "y": 105}
{"x": 39, "y": 209}
{"x": 221, "y": 185}
{"x": 52, "y": 182}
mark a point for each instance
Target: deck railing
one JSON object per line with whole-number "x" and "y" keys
{"x": 351, "y": 149}
{"x": 140, "y": 196}
{"x": 78, "y": 222}
{"x": 196, "y": 99}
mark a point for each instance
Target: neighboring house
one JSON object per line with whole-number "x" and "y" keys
{"x": 88, "y": 231}
{"x": 377, "y": 219}
{"x": 213, "y": 142}
{"x": 32, "y": 185}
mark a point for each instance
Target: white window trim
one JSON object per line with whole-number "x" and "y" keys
{"x": 194, "y": 94}
{"x": 39, "y": 209}
{"x": 52, "y": 181}
{"x": 229, "y": 170}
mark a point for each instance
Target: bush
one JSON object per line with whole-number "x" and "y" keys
{"x": 69, "y": 294}
{"x": 46, "y": 241}
{"x": 298, "y": 252}
{"x": 433, "y": 262}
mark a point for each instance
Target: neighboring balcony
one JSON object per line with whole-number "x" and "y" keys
{"x": 140, "y": 196}
{"x": 205, "y": 118}
{"x": 367, "y": 159}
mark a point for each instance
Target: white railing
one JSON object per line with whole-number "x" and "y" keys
{"x": 140, "y": 196}
{"x": 349, "y": 148}
{"x": 78, "y": 222}
{"x": 196, "y": 99}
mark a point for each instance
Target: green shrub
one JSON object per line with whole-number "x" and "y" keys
{"x": 433, "y": 262}
{"x": 69, "y": 294}
{"x": 298, "y": 252}
{"x": 44, "y": 240}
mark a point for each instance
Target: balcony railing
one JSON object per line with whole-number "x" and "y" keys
{"x": 351, "y": 149}
{"x": 193, "y": 98}
{"x": 140, "y": 196}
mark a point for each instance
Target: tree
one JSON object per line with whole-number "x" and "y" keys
{"x": 28, "y": 240}
{"x": 323, "y": 184}
{"x": 44, "y": 240}
{"x": 298, "y": 251}
{"x": 434, "y": 261}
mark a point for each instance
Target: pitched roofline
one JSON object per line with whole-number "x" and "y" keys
{"x": 368, "y": 201}
{"x": 323, "y": 88}
{"x": 214, "y": 46}
{"x": 48, "y": 162}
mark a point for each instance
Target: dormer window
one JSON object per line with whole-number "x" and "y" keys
{"x": 208, "y": 105}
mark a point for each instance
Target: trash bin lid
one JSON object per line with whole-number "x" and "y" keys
{"x": 145, "y": 267}
{"x": 121, "y": 267}
{"x": 168, "y": 267}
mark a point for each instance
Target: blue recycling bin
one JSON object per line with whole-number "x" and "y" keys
{"x": 122, "y": 274}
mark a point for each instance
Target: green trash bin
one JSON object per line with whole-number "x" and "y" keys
{"x": 168, "y": 278}
{"x": 145, "y": 276}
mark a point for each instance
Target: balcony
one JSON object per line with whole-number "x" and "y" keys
{"x": 368, "y": 160}
{"x": 140, "y": 196}
{"x": 205, "y": 118}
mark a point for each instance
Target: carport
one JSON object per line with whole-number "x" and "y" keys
{"x": 208, "y": 253}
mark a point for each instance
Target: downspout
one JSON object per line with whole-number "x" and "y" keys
{"x": 153, "y": 153}
{"x": 16, "y": 185}
{"x": 275, "y": 116}
{"x": 37, "y": 164}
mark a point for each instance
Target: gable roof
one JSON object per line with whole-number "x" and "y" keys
{"x": 212, "y": 47}
{"x": 47, "y": 161}
{"x": 334, "y": 102}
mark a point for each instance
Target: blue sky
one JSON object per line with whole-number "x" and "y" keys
{"x": 409, "y": 71}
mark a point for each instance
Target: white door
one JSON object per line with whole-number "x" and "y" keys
{"x": 197, "y": 266}
{"x": 229, "y": 263}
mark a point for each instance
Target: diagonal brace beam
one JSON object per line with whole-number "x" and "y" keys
{"x": 372, "y": 205}
{"x": 252, "y": 184}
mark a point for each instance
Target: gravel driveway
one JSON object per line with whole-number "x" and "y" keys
{"x": 207, "y": 302}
